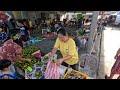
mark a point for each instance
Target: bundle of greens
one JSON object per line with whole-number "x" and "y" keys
{"x": 27, "y": 52}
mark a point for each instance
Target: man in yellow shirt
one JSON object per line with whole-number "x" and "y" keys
{"x": 67, "y": 48}
{"x": 30, "y": 23}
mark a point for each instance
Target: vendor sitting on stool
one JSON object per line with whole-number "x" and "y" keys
{"x": 68, "y": 49}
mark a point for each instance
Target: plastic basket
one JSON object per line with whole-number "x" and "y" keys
{"x": 33, "y": 77}
{"x": 84, "y": 75}
{"x": 43, "y": 67}
{"x": 33, "y": 72}
{"x": 44, "y": 61}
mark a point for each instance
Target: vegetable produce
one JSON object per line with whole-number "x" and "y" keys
{"x": 24, "y": 64}
{"x": 26, "y": 53}
{"x": 44, "y": 68}
{"x": 37, "y": 74}
{"x": 45, "y": 59}
{"x": 39, "y": 64}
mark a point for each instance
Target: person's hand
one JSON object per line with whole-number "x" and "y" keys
{"x": 51, "y": 58}
{"x": 28, "y": 59}
{"x": 59, "y": 62}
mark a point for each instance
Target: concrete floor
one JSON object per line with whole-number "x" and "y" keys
{"x": 110, "y": 45}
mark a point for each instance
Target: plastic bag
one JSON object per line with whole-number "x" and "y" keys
{"x": 52, "y": 71}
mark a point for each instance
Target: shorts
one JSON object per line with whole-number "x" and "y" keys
{"x": 75, "y": 66}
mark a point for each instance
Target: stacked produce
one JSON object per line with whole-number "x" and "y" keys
{"x": 24, "y": 64}
{"x": 45, "y": 59}
{"x": 38, "y": 74}
{"x": 43, "y": 68}
{"x": 39, "y": 64}
{"x": 39, "y": 69}
{"x": 27, "y": 53}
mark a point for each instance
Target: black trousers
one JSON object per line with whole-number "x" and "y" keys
{"x": 75, "y": 66}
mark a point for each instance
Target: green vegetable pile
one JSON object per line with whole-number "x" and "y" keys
{"x": 37, "y": 74}
{"x": 45, "y": 59}
{"x": 27, "y": 52}
{"x": 24, "y": 64}
{"x": 44, "y": 68}
{"x": 39, "y": 63}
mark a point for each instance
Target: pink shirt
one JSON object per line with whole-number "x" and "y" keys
{"x": 9, "y": 50}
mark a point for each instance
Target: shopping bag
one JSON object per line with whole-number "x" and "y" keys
{"x": 52, "y": 71}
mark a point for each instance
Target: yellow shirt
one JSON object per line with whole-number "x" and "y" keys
{"x": 30, "y": 23}
{"x": 68, "y": 48}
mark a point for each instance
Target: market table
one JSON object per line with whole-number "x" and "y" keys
{"x": 62, "y": 68}
{"x": 63, "y": 71}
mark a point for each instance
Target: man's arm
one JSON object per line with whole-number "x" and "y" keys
{"x": 54, "y": 50}
{"x": 63, "y": 59}
{"x": 66, "y": 58}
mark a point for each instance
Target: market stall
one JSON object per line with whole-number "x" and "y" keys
{"x": 37, "y": 67}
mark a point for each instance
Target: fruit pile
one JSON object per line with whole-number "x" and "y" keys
{"x": 24, "y": 64}
{"x": 38, "y": 74}
{"x": 74, "y": 75}
{"x": 45, "y": 59}
{"x": 27, "y": 52}
{"x": 38, "y": 70}
{"x": 44, "y": 68}
{"x": 39, "y": 64}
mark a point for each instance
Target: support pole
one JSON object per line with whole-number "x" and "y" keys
{"x": 92, "y": 32}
